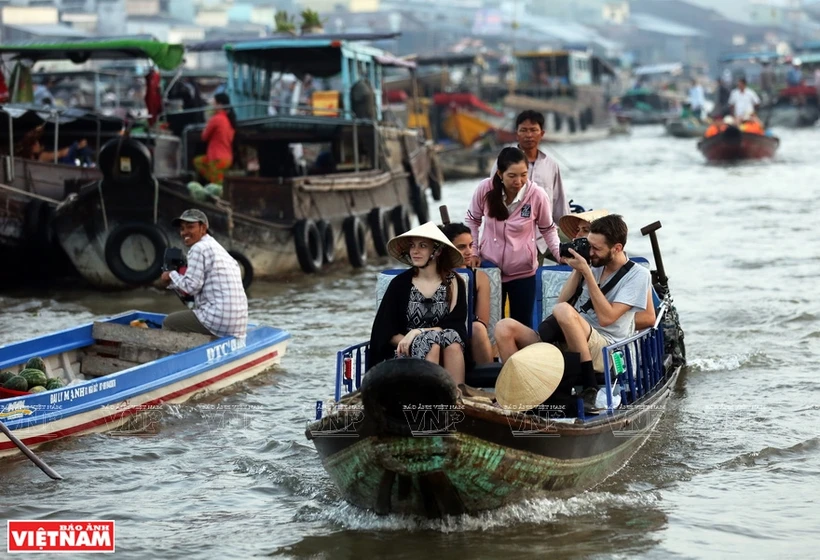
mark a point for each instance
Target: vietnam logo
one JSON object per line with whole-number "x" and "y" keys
{"x": 60, "y": 536}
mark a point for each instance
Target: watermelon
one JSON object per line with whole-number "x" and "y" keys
{"x": 16, "y": 383}
{"x": 34, "y": 377}
{"x": 37, "y": 389}
{"x": 54, "y": 384}
{"x": 36, "y": 363}
{"x": 5, "y": 376}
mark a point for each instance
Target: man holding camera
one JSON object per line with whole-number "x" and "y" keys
{"x": 213, "y": 279}
{"x": 595, "y": 319}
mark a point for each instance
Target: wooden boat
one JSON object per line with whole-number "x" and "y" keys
{"x": 733, "y": 145}
{"x": 646, "y": 106}
{"x": 363, "y": 180}
{"x": 686, "y": 128}
{"x": 64, "y": 125}
{"x": 568, "y": 87}
{"x": 794, "y": 107}
{"x": 406, "y": 443}
{"x": 112, "y": 372}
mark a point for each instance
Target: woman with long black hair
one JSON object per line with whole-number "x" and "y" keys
{"x": 512, "y": 208}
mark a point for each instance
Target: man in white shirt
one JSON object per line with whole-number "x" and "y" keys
{"x": 743, "y": 101}
{"x": 697, "y": 99}
{"x": 214, "y": 279}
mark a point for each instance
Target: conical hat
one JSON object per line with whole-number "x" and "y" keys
{"x": 529, "y": 377}
{"x": 398, "y": 246}
{"x": 569, "y": 223}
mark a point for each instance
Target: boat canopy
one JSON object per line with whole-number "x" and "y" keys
{"x": 253, "y": 64}
{"x": 667, "y": 68}
{"x": 749, "y": 57}
{"x": 166, "y": 56}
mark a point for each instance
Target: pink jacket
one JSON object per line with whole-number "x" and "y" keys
{"x": 510, "y": 244}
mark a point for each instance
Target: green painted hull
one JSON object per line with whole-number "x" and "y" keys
{"x": 484, "y": 462}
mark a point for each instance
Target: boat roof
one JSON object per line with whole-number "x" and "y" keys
{"x": 453, "y": 59}
{"x": 215, "y": 45}
{"x": 666, "y": 68}
{"x": 548, "y": 54}
{"x": 320, "y": 57}
{"x": 166, "y": 56}
{"x": 749, "y": 56}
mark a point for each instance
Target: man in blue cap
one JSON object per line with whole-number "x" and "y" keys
{"x": 213, "y": 278}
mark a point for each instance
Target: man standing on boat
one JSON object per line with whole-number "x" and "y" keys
{"x": 214, "y": 280}
{"x": 743, "y": 101}
{"x": 543, "y": 170}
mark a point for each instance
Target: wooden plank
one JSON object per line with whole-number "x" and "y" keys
{"x": 157, "y": 339}
{"x": 97, "y": 366}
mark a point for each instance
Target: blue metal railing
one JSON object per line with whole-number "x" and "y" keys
{"x": 357, "y": 354}
{"x": 643, "y": 365}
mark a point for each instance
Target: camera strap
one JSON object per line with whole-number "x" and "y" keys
{"x": 604, "y": 290}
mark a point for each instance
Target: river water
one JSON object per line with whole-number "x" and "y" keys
{"x": 730, "y": 472}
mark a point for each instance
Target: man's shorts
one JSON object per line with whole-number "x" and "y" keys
{"x": 596, "y": 344}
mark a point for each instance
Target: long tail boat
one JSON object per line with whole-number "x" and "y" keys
{"x": 733, "y": 144}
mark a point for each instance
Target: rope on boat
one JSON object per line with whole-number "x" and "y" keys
{"x": 29, "y": 194}
{"x": 102, "y": 206}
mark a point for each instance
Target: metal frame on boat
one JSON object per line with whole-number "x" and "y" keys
{"x": 109, "y": 382}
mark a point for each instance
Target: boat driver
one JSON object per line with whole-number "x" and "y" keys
{"x": 612, "y": 316}
{"x": 213, "y": 278}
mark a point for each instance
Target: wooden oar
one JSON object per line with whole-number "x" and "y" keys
{"x": 445, "y": 215}
{"x": 29, "y": 453}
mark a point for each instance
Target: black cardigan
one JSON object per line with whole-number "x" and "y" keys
{"x": 391, "y": 319}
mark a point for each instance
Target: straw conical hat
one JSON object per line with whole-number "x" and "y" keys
{"x": 399, "y": 245}
{"x": 569, "y": 223}
{"x": 529, "y": 377}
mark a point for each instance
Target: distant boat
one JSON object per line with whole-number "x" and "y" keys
{"x": 732, "y": 144}
{"x": 686, "y": 128}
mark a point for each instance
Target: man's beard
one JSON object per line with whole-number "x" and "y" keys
{"x": 602, "y": 261}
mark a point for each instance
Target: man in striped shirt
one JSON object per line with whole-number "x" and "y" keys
{"x": 214, "y": 280}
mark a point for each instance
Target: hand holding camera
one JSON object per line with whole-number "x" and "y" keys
{"x": 580, "y": 246}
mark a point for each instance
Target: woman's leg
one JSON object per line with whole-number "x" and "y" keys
{"x": 201, "y": 165}
{"x": 453, "y": 362}
{"x": 522, "y": 299}
{"x": 481, "y": 346}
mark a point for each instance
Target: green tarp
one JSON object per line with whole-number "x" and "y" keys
{"x": 165, "y": 56}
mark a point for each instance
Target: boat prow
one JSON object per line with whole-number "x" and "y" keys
{"x": 111, "y": 371}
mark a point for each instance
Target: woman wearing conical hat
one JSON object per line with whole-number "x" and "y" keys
{"x": 424, "y": 311}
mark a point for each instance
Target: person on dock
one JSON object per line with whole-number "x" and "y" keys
{"x": 213, "y": 278}
{"x": 423, "y": 313}
{"x": 611, "y": 317}
{"x": 513, "y": 210}
{"x": 219, "y": 134}
{"x": 480, "y": 349}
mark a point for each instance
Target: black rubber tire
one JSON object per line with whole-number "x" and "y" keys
{"x": 355, "y": 240}
{"x": 308, "y": 245}
{"x": 394, "y": 387}
{"x": 113, "y": 252}
{"x": 435, "y": 188}
{"x": 328, "y": 235}
{"x": 37, "y": 231}
{"x": 418, "y": 198}
{"x": 379, "y": 222}
{"x": 115, "y": 152}
{"x": 401, "y": 219}
{"x": 246, "y": 266}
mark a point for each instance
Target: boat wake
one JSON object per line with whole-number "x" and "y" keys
{"x": 769, "y": 457}
{"x": 535, "y": 512}
{"x": 729, "y": 362}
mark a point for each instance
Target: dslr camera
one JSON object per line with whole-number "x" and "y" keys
{"x": 580, "y": 246}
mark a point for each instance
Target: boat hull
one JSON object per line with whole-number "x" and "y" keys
{"x": 685, "y": 129}
{"x": 108, "y": 402}
{"x": 734, "y": 145}
{"x": 485, "y": 459}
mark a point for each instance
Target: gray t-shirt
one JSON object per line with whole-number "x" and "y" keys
{"x": 631, "y": 290}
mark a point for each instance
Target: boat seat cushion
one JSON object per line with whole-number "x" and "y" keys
{"x": 496, "y": 299}
{"x": 550, "y": 280}
{"x": 386, "y": 276}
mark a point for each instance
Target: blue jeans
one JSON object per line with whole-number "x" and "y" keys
{"x": 85, "y": 155}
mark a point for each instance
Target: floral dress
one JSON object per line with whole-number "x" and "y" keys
{"x": 425, "y": 312}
